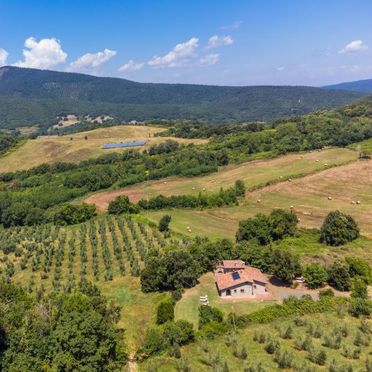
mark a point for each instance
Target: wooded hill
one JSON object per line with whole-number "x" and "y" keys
{"x": 30, "y": 96}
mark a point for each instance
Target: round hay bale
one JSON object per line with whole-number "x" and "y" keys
{"x": 258, "y": 200}
{"x": 329, "y": 197}
{"x": 291, "y": 207}
{"x": 358, "y": 202}
{"x": 193, "y": 188}
{"x": 280, "y": 176}
{"x": 352, "y": 202}
{"x": 317, "y": 160}
{"x": 289, "y": 179}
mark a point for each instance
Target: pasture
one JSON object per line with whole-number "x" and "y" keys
{"x": 255, "y": 174}
{"x": 347, "y": 188}
{"x": 80, "y": 146}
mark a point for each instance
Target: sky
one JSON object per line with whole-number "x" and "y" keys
{"x": 222, "y": 42}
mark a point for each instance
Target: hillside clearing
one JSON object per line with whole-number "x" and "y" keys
{"x": 74, "y": 147}
{"x": 346, "y": 185}
{"x": 254, "y": 174}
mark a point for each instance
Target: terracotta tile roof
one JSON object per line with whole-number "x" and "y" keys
{"x": 249, "y": 274}
{"x": 232, "y": 264}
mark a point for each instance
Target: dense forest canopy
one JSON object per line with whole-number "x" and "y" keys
{"x": 29, "y": 97}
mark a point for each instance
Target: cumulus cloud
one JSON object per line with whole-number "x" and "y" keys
{"x": 233, "y": 26}
{"x": 216, "y": 41}
{"x": 180, "y": 55}
{"x": 43, "y": 54}
{"x": 3, "y": 56}
{"x": 280, "y": 68}
{"x": 354, "y": 46}
{"x": 210, "y": 59}
{"x": 131, "y": 66}
{"x": 91, "y": 61}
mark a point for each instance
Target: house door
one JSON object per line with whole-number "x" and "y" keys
{"x": 228, "y": 292}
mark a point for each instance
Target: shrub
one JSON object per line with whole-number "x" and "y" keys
{"x": 122, "y": 205}
{"x": 318, "y": 356}
{"x": 164, "y": 223}
{"x": 272, "y": 346}
{"x": 284, "y": 359}
{"x": 165, "y": 311}
{"x": 360, "y": 306}
{"x": 338, "y": 276}
{"x": 338, "y": 228}
{"x": 359, "y": 288}
{"x": 315, "y": 275}
{"x": 324, "y": 293}
{"x": 208, "y": 314}
{"x": 285, "y": 265}
{"x": 359, "y": 267}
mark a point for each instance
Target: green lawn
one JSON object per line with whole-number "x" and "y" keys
{"x": 187, "y": 307}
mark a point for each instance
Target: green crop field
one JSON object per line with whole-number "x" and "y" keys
{"x": 296, "y": 343}
{"x": 108, "y": 252}
{"x": 80, "y": 146}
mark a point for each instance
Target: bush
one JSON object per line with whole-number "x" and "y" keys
{"x": 164, "y": 223}
{"x": 70, "y": 214}
{"x": 285, "y": 265}
{"x": 324, "y": 293}
{"x": 315, "y": 275}
{"x": 360, "y": 306}
{"x": 209, "y": 314}
{"x": 318, "y": 356}
{"x": 122, "y": 205}
{"x": 338, "y": 276}
{"x": 165, "y": 311}
{"x": 359, "y": 288}
{"x": 338, "y": 228}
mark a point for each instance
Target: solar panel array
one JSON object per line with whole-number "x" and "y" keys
{"x": 235, "y": 275}
{"x": 123, "y": 144}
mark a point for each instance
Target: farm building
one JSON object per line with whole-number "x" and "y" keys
{"x": 234, "y": 279}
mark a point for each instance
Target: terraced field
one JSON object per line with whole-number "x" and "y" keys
{"x": 80, "y": 146}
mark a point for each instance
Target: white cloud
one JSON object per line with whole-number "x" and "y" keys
{"x": 233, "y": 26}
{"x": 131, "y": 66}
{"x": 43, "y": 54}
{"x": 180, "y": 55}
{"x": 90, "y": 61}
{"x": 216, "y": 41}
{"x": 210, "y": 59}
{"x": 354, "y": 46}
{"x": 280, "y": 68}
{"x": 3, "y": 56}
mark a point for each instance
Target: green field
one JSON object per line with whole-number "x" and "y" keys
{"x": 79, "y": 146}
{"x": 346, "y": 342}
{"x": 108, "y": 252}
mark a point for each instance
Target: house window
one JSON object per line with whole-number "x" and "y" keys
{"x": 242, "y": 290}
{"x": 254, "y": 286}
{"x": 234, "y": 290}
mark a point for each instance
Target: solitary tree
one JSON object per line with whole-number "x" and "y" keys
{"x": 338, "y": 228}
{"x": 164, "y": 223}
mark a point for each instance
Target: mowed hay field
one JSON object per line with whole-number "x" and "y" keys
{"x": 309, "y": 197}
{"x": 254, "y": 174}
{"x": 74, "y": 147}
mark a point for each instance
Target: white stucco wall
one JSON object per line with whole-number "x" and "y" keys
{"x": 236, "y": 291}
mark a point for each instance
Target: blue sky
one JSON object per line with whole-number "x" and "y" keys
{"x": 225, "y": 42}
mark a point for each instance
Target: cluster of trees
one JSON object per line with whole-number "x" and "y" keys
{"x": 203, "y": 200}
{"x": 265, "y": 229}
{"x": 7, "y": 141}
{"x": 122, "y": 205}
{"x": 74, "y": 331}
{"x": 71, "y": 214}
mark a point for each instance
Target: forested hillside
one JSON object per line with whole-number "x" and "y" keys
{"x": 364, "y": 86}
{"x": 29, "y": 97}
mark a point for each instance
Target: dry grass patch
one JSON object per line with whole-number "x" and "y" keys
{"x": 74, "y": 147}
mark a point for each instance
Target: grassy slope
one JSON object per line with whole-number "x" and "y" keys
{"x": 48, "y": 149}
{"x": 254, "y": 174}
{"x": 197, "y": 356}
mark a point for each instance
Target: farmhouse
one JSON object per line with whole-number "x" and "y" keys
{"x": 234, "y": 279}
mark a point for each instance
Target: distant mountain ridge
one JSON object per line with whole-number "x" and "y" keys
{"x": 364, "y": 86}
{"x": 31, "y": 96}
